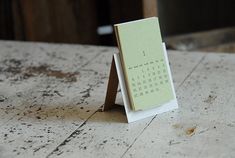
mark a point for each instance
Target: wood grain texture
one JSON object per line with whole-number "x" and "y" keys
{"x": 6, "y": 20}
{"x": 149, "y": 8}
{"x": 50, "y": 106}
{"x": 35, "y": 105}
{"x": 67, "y": 21}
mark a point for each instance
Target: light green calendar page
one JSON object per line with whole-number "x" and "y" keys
{"x": 145, "y": 70}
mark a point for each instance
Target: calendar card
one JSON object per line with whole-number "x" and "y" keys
{"x": 145, "y": 68}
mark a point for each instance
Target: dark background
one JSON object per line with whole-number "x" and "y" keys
{"x": 76, "y": 21}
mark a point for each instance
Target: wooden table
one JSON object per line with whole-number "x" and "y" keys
{"x": 50, "y": 96}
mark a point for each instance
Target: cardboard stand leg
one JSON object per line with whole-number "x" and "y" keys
{"x": 112, "y": 88}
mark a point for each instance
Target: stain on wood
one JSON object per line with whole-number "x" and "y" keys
{"x": 46, "y": 70}
{"x": 190, "y": 131}
{"x": 210, "y": 99}
{"x": 15, "y": 67}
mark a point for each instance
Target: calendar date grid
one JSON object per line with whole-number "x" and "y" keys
{"x": 150, "y": 78}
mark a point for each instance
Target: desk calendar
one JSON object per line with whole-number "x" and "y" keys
{"x": 143, "y": 69}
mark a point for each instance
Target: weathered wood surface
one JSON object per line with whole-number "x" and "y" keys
{"x": 50, "y": 96}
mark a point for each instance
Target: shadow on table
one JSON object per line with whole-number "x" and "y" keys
{"x": 73, "y": 113}
{"x": 116, "y": 115}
